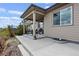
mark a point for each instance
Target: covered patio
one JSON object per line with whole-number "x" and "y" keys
{"x": 34, "y": 14}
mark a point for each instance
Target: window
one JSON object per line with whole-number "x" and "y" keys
{"x": 56, "y": 18}
{"x": 64, "y": 17}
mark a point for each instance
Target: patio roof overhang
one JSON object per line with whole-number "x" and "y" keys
{"x": 28, "y": 14}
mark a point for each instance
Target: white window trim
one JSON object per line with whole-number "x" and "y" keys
{"x": 71, "y": 17}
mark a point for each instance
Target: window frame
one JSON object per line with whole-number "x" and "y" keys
{"x": 71, "y": 20}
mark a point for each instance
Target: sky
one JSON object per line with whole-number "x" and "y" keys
{"x": 10, "y": 12}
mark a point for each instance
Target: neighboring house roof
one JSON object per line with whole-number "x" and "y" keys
{"x": 32, "y": 7}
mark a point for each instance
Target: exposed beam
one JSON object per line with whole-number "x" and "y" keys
{"x": 39, "y": 13}
{"x": 28, "y": 14}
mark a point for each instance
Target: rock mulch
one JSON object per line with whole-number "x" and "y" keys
{"x": 2, "y": 41}
{"x": 9, "y": 48}
{"x": 12, "y": 51}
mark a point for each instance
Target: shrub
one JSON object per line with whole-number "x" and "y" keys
{"x": 19, "y": 30}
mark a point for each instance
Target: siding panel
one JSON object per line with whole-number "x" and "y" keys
{"x": 64, "y": 32}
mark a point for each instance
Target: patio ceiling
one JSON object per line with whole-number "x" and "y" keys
{"x": 38, "y": 17}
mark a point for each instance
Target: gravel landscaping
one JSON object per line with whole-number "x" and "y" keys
{"x": 9, "y": 47}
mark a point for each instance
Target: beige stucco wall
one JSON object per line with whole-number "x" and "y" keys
{"x": 64, "y": 32}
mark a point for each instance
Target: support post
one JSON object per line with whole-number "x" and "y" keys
{"x": 23, "y": 27}
{"x": 38, "y": 27}
{"x": 34, "y": 22}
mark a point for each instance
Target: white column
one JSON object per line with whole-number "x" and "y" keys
{"x": 34, "y": 22}
{"x": 23, "y": 27}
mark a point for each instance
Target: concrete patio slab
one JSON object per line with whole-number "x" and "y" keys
{"x": 57, "y": 50}
{"x": 49, "y": 47}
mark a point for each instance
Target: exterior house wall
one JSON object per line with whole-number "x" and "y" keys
{"x": 64, "y": 32}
